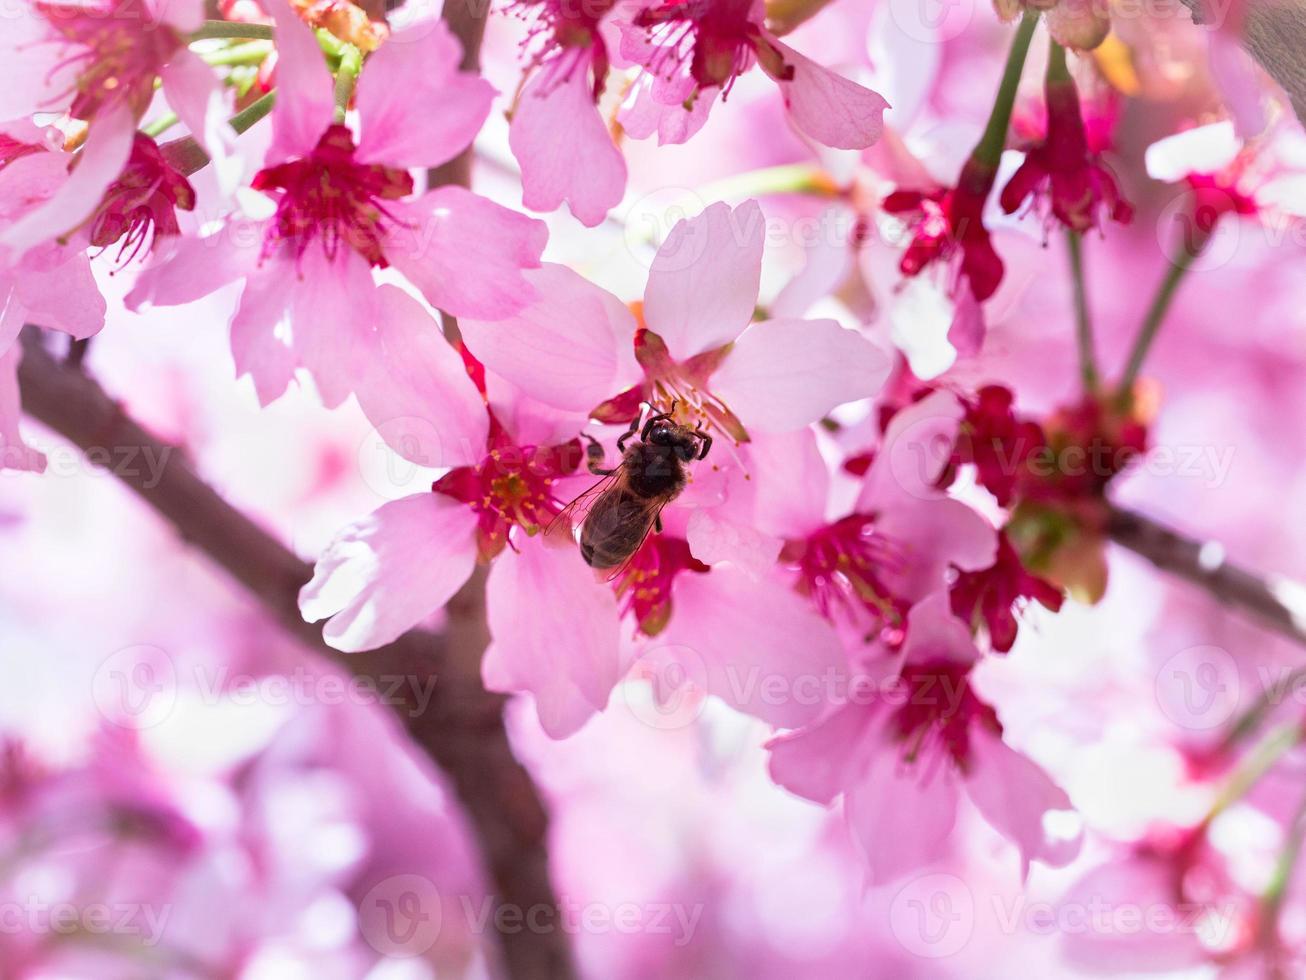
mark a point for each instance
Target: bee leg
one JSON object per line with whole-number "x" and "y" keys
{"x": 625, "y": 436}
{"x": 653, "y": 419}
{"x": 594, "y": 457}
{"x": 657, "y": 524}
{"x": 707, "y": 444}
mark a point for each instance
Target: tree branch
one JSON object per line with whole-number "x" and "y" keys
{"x": 1275, "y": 34}
{"x": 1278, "y": 604}
{"x": 460, "y": 729}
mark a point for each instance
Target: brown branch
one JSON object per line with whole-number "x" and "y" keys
{"x": 1275, "y": 33}
{"x": 460, "y": 729}
{"x": 1276, "y": 603}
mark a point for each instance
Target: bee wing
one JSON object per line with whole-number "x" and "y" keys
{"x": 571, "y": 516}
{"x": 622, "y": 568}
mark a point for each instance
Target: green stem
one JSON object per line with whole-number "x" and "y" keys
{"x": 187, "y": 156}
{"x": 160, "y": 126}
{"x": 1272, "y": 897}
{"x": 1083, "y": 319}
{"x": 249, "y": 53}
{"x": 789, "y": 178}
{"x": 1179, "y": 267}
{"x": 227, "y": 28}
{"x": 351, "y": 63}
{"x": 1257, "y": 763}
{"x": 253, "y": 112}
{"x": 989, "y": 149}
{"x": 1270, "y": 698}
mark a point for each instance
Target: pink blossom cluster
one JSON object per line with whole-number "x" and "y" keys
{"x": 897, "y": 483}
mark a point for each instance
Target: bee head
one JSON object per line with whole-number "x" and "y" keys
{"x": 679, "y": 439}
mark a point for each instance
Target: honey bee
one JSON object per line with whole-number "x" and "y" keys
{"x": 619, "y": 511}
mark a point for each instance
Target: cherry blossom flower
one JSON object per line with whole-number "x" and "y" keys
{"x": 139, "y": 209}
{"x": 565, "y": 79}
{"x": 49, "y": 286}
{"x": 1062, "y": 173}
{"x": 510, "y": 461}
{"x": 898, "y": 541}
{"x": 993, "y": 595}
{"x": 580, "y": 349}
{"x": 98, "y": 62}
{"x": 901, "y": 755}
{"x": 344, "y": 207}
{"x": 1226, "y": 175}
{"x": 694, "y": 50}
{"x": 948, "y": 223}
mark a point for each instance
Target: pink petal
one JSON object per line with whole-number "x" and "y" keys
{"x": 331, "y": 319}
{"x": 829, "y": 108}
{"x": 1014, "y": 795}
{"x": 966, "y": 333}
{"x": 197, "y": 267}
{"x": 183, "y": 16}
{"x": 383, "y": 575}
{"x": 415, "y": 108}
{"x": 555, "y": 634}
{"x": 702, "y": 287}
{"x": 1202, "y": 150}
{"x": 828, "y": 757}
{"x": 572, "y": 348}
{"x": 784, "y": 374}
{"x": 901, "y": 821}
{"x": 934, "y": 633}
{"x": 916, "y": 447}
{"x": 1132, "y": 882}
{"x": 583, "y": 168}
{"x": 713, "y": 539}
{"x": 415, "y": 389}
{"x": 198, "y": 97}
{"x": 14, "y": 453}
{"x": 929, "y": 537}
{"x": 305, "y": 104}
{"x": 260, "y": 331}
{"x": 99, "y": 162}
{"x": 793, "y": 507}
{"x": 57, "y": 289}
{"x": 467, "y": 254}
{"x": 528, "y": 420}
{"x": 652, "y": 107}
{"x": 38, "y": 72}
{"x": 764, "y": 649}
{"x": 1239, "y": 82}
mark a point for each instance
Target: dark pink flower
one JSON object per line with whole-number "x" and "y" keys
{"x": 693, "y": 50}
{"x": 993, "y": 595}
{"x": 902, "y": 752}
{"x": 1064, "y": 178}
{"x": 140, "y": 207}
{"x": 99, "y": 62}
{"x": 344, "y": 208}
{"x": 948, "y": 223}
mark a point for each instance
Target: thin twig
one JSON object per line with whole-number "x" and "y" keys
{"x": 460, "y": 729}
{"x": 1279, "y": 604}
